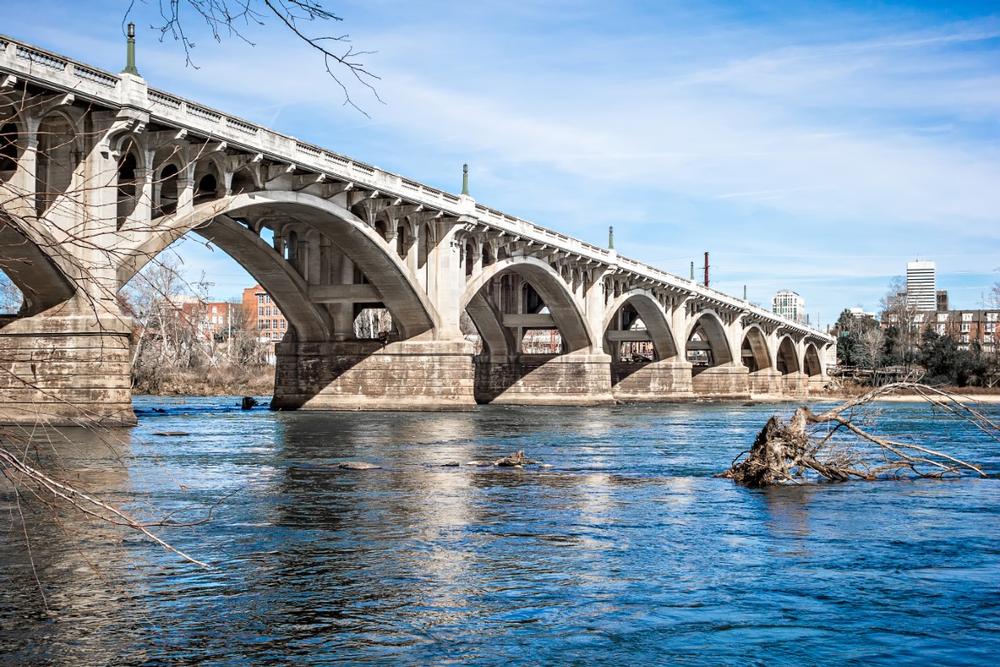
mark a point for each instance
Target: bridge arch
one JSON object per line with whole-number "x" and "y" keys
{"x": 411, "y": 310}
{"x": 652, "y": 315}
{"x": 754, "y": 352}
{"x": 786, "y": 360}
{"x": 30, "y": 258}
{"x": 547, "y": 283}
{"x": 706, "y": 333}
{"x": 812, "y": 364}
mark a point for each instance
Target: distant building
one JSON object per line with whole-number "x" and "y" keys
{"x": 263, "y": 315}
{"x": 212, "y": 319}
{"x": 967, "y": 327}
{"x": 942, "y": 300}
{"x": 921, "y": 285}
{"x": 790, "y": 305}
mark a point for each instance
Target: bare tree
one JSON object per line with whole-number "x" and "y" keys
{"x": 872, "y": 342}
{"x": 233, "y": 18}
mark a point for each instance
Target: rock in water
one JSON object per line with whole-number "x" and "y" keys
{"x": 357, "y": 465}
{"x": 248, "y": 403}
{"x": 517, "y": 459}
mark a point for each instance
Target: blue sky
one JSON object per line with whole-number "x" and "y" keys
{"x": 809, "y": 146}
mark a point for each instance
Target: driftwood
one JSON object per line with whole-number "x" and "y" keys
{"x": 832, "y": 446}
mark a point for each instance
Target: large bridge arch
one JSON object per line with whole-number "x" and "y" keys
{"x": 412, "y": 311}
{"x": 546, "y": 281}
{"x": 706, "y": 332}
{"x": 786, "y": 358}
{"x": 754, "y": 351}
{"x": 812, "y": 362}
{"x": 26, "y": 256}
{"x": 653, "y": 316}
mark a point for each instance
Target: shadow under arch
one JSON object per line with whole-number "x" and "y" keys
{"x": 411, "y": 310}
{"x": 754, "y": 352}
{"x": 503, "y": 373}
{"x": 786, "y": 360}
{"x": 25, "y": 258}
{"x": 813, "y": 365}
{"x": 707, "y": 345}
{"x": 634, "y": 351}
{"x": 547, "y": 284}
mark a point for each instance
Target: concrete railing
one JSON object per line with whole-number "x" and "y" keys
{"x": 115, "y": 91}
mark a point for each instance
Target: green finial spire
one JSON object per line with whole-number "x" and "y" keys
{"x": 130, "y": 67}
{"x": 611, "y": 238}
{"x": 465, "y": 179}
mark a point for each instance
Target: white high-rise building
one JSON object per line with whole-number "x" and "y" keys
{"x": 789, "y": 304}
{"x": 921, "y": 285}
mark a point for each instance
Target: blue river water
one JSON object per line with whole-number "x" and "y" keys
{"x": 625, "y": 550}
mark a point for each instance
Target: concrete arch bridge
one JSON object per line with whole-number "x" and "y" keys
{"x": 100, "y": 173}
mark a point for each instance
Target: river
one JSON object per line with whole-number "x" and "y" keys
{"x": 625, "y": 550}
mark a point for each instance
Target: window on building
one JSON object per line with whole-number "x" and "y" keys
{"x": 993, "y": 317}
{"x": 966, "y": 317}
{"x": 942, "y": 317}
{"x": 965, "y": 327}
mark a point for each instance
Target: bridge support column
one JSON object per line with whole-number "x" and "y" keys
{"x": 795, "y": 384}
{"x": 665, "y": 380}
{"x": 766, "y": 382}
{"x": 366, "y": 375}
{"x": 724, "y": 381}
{"x": 66, "y": 369}
{"x": 543, "y": 379}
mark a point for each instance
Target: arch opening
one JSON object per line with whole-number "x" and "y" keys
{"x": 753, "y": 351}
{"x": 707, "y": 346}
{"x": 168, "y": 182}
{"x": 56, "y": 160}
{"x": 9, "y": 152}
{"x": 813, "y": 366}
{"x": 787, "y": 359}
{"x": 128, "y": 185}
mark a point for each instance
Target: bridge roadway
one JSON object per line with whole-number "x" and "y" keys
{"x": 100, "y": 173}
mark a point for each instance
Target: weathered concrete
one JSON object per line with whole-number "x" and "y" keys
{"x": 66, "y": 370}
{"x": 540, "y": 379}
{"x": 729, "y": 381}
{"x": 667, "y": 380}
{"x": 365, "y": 375}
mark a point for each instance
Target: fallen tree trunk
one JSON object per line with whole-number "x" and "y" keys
{"x": 832, "y": 446}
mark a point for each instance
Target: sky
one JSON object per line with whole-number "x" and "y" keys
{"x": 808, "y": 146}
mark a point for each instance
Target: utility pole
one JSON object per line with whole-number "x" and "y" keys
{"x": 706, "y": 268}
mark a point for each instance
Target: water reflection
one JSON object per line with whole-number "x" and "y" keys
{"x": 626, "y": 549}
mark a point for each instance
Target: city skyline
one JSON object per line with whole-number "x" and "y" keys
{"x": 684, "y": 142}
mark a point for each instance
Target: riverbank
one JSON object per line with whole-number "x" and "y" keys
{"x": 219, "y": 381}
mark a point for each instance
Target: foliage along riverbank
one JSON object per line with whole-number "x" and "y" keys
{"x": 214, "y": 381}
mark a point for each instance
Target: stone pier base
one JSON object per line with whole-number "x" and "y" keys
{"x": 795, "y": 384}
{"x": 766, "y": 382}
{"x": 729, "y": 381}
{"x": 653, "y": 381}
{"x": 366, "y": 375}
{"x": 544, "y": 379}
{"x": 66, "y": 370}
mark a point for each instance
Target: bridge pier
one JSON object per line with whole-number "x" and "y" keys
{"x": 66, "y": 369}
{"x": 665, "y": 380}
{"x": 367, "y": 375}
{"x": 725, "y": 381}
{"x": 766, "y": 382}
{"x": 545, "y": 379}
{"x": 795, "y": 384}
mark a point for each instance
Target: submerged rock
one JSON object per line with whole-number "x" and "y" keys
{"x": 248, "y": 402}
{"x": 357, "y": 465}
{"x": 450, "y": 464}
{"x": 171, "y": 434}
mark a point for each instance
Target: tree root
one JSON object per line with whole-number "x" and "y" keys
{"x": 831, "y": 445}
